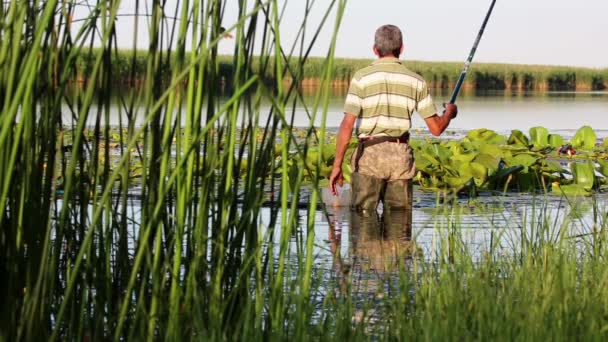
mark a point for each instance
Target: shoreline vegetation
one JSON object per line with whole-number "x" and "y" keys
{"x": 130, "y": 67}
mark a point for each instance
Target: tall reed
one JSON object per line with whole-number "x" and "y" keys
{"x": 89, "y": 252}
{"x": 192, "y": 258}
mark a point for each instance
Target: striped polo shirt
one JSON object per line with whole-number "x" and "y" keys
{"x": 384, "y": 95}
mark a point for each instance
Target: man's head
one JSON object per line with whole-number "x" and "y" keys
{"x": 388, "y": 41}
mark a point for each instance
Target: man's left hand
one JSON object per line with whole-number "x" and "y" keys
{"x": 335, "y": 177}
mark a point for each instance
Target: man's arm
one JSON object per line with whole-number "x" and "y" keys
{"x": 438, "y": 124}
{"x": 345, "y": 132}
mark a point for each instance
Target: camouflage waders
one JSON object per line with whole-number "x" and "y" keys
{"x": 383, "y": 172}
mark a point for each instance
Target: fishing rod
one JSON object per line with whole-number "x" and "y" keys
{"x": 463, "y": 74}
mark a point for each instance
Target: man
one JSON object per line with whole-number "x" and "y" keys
{"x": 381, "y": 100}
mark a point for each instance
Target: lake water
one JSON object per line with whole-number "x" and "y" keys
{"x": 488, "y": 221}
{"x": 560, "y": 112}
{"x": 503, "y": 219}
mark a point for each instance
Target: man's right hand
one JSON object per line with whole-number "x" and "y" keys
{"x": 437, "y": 124}
{"x": 450, "y": 109}
{"x": 335, "y": 177}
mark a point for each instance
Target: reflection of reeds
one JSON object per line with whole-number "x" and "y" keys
{"x": 78, "y": 262}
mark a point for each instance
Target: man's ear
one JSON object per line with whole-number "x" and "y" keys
{"x": 401, "y": 50}
{"x": 376, "y": 51}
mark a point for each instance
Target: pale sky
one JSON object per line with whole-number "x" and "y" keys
{"x": 555, "y": 32}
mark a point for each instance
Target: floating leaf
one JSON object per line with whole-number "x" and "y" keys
{"x": 329, "y": 152}
{"x": 443, "y": 153}
{"x": 552, "y": 166}
{"x": 492, "y": 150}
{"x": 556, "y": 140}
{"x": 477, "y": 170}
{"x": 490, "y": 162}
{"x": 572, "y": 190}
{"x": 292, "y": 175}
{"x": 522, "y": 159}
{"x": 506, "y": 171}
{"x": 454, "y": 146}
{"x": 485, "y": 135}
{"x": 311, "y": 158}
{"x": 584, "y": 138}
{"x": 325, "y": 170}
{"x": 518, "y": 138}
{"x": 425, "y": 163}
{"x": 464, "y": 157}
{"x": 347, "y": 171}
{"x": 457, "y": 182}
{"x": 603, "y": 167}
{"x": 583, "y": 174}
{"x": 539, "y": 136}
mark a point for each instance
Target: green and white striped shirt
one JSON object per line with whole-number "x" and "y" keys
{"x": 384, "y": 95}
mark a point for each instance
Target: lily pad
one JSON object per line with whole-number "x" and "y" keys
{"x": 584, "y": 138}
{"x": 523, "y": 159}
{"x": 492, "y": 150}
{"x": 572, "y": 190}
{"x": 488, "y": 161}
{"x": 506, "y": 171}
{"x": 443, "y": 153}
{"x": 583, "y": 174}
{"x": 464, "y": 157}
{"x": 552, "y": 166}
{"x": 425, "y": 164}
{"x": 485, "y": 135}
{"x": 329, "y": 152}
{"x": 457, "y": 182}
{"x": 477, "y": 170}
{"x": 518, "y": 138}
{"x": 603, "y": 167}
{"x": 556, "y": 140}
{"x": 539, "y": 136}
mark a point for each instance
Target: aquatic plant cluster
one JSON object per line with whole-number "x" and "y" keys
{"x": 487, "y": 161}
{"x": 156, "y": 229}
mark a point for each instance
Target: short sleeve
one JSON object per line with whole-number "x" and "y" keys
{"x": 354, "y": 98}
{"x": 425, "y": 106}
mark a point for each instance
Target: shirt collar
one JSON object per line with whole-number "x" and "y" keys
{"x": 386, "y": 60}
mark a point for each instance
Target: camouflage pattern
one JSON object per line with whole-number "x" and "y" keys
{"x": 388, "y": 160}
{"x": 385, "y": 173}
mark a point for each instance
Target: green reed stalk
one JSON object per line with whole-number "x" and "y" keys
{"x": 197, "y": 261}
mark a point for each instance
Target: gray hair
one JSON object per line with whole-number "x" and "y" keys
{"x": 388, "y": 40}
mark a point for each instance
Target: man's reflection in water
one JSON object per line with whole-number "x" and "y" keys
{"x": 379, "y": 246}
{"x": 381, "y": 243}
